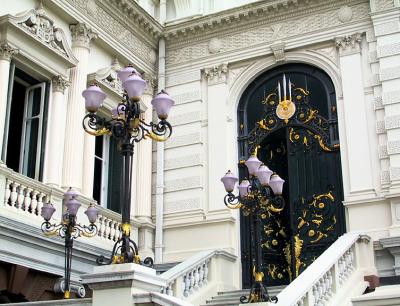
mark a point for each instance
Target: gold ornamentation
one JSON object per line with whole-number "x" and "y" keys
{"x": 101, "y": 132}
{"x": 298, "y": 244}
{"x": 285, "y": 110}
{"x": 118, "y": 259}
{"x": 126, "y": 229}
{"x": 258, "y": 276}
{"x": 157, "y": 138}
{"x": 311, "y": 233}
{"x": 275, "y": 242}
{"x": 137, "y": 259}
{"x": 322, "y": 144}
{"x": 320, "y": 236}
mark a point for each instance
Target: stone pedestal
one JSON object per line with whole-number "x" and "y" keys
{"x": 116, "y": 284}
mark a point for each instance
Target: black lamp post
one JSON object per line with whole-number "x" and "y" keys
{"x": 258, "y": 195}
{"x": 69, "y": 229}
{"x": 126, "y": 125}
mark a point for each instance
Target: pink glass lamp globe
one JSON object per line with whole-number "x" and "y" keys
{"x": 162, "y": 104}
{"x": 70, "y": 202}
{"x": 263, "y": 174}
{"x": 244, "y": 188}
{"x": 47, "y": 211}
{"x": 94, "y": 97}
{"x": 229, "y": 180}
{"x": 92, "y": 212}
{"x": 134, "y": 86}
{"x": 276, "y": 184}
{"x": 253, "y": 163}
{"x": 124, "y": 73}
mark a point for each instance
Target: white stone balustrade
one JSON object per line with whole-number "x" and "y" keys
{"x": 200, "y": 276}
{"x": 24, "y": 199}
{"x": 334, "y": 277}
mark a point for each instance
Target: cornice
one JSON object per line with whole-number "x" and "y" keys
{"x": 264, "y": 11}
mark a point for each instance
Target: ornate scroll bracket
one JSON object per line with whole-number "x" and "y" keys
{"x": 108, "y": 77}
{"x": 37, "y": 24}
{"x": 216, "y": 74}
{"x": 77, "y": 288}
{"x": 349, "y": 44}
{"x": 278, "y": 48}
{"x": 82, "y": 35}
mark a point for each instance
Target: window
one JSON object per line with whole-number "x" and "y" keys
{"x": 107, "y": 180}
{"x": 25, "y": 121}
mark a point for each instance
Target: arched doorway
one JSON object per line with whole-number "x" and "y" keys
{"x": 295, "y": 131}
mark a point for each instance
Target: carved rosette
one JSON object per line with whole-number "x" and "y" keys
{"x": 349, "y": 44}
{"x": 216, "y": 74}
{"x": 81, "y": 35}
{"x": 6, "y": 51}
{"x": 59, "y": 84}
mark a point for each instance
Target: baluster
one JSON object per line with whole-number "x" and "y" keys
{"x": 21, "y": 197}
{"x": 7, "y": 193}
{"x": 196, "y": 278}
{"x": 112, "y": 229}
{"x": 205, "y": 277}
{"x": 41, "y": 195}
{"x": 187, "y": 284}
{"x": 99, "y": 224}
{"x": 14, "y": 195}
{"x": 201, "y": 274}
{"x": 191, "y": 278}
{"x": 117, "y": 230}
{"x": 315, "y": 293}
{"x": 28, "y": 199}
{"x": 34, "y": 203}
{"x": 107, "y": 228}
{"x": 169, "y": 289}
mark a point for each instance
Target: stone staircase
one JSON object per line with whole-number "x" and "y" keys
{"x": 232, "y": 298}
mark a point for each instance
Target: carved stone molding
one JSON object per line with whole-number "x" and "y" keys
{"x": 383, "y": 152}
{"x": 216, "y": 74}
{"x": 215, "y": 45}
{"x": 349, "y": 44}
{"x": 392, "y": 122}
{"x": 6, "y": 51}
{"x": 393, "y": 147}
{"x": 345, "y": 14}
{"x": 278, "y": 49}
{"x": 81, "y": 35}
{"x": 59, "y": 84}
{"x": 380, "y": 127}
{"x": 108, "y": 77}
{"x": 151, "y": 83}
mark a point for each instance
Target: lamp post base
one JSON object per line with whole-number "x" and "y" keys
{"x": 125, "y": 250}
{"x": 258, "y": 293}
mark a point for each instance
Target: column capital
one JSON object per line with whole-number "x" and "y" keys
{"x": 151, "y": 83}
{"x": 81, "y": 35}
{"x": 59, "y": 84}
{"x": 349, "y": 44}
{"x": 6, "y": 51}
{"x": 216, "y": 74}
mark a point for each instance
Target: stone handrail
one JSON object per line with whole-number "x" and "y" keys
{"x": 188, "y": 277}
{"x": 334, "y": 276}
{"x": 24, "y": 197}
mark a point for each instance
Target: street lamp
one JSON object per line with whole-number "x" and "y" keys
{"x": 69, "y": 229}
{"x": 258, "y": 195}
{"x": 127, "y": 126}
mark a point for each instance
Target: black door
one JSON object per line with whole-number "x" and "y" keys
{"x": 297, "y": 138}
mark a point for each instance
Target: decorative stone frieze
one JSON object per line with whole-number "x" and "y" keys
{"x": 7, "y": 52}
{"x": 380, "y": 5}
{"x": 392, "y": 122}
{"x": 278, "y": 49}
{"x": 182, "y": 205}
{"x": 383, "y": 152}
{"x": 108, "y": 77}
{"x": 151, "y": 83}
{"x": 380, "y": 127}
{"x": 391, "y": 73}
{"x": 388, "y": 50}
{"x": 216, "y": 74}
{"x": 81, "y": 35}
{"x": 345, "y": 14}
{"x": 391, "y": 97}
{"x": 349, "y": 44}
{"x": 215, "y": 45}
{"x": 59, "y": 84}
{"x": 393, "y": 147}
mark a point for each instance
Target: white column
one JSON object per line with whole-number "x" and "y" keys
{"x": 216, "y": 139}
{"x": 143, "y": 180}
{"x": 56, "y": 131}
{"x": 358, "y": 147}
{"x": 74, "y": 138}
{"x": 6, "y": 52}
{"x": 163, "y": 11}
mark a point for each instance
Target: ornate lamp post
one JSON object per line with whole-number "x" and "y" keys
{"x": 257, "y": 195}
{"x": 69, "y": 229}
{"x": 126, "y": 125}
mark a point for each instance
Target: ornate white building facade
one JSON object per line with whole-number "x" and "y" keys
{"x": 205, "y": 54}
